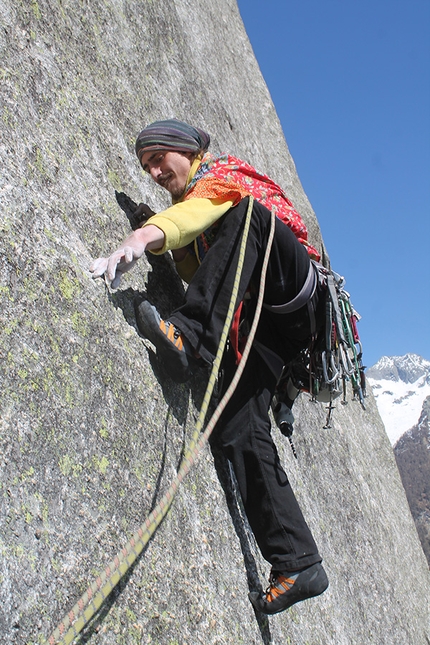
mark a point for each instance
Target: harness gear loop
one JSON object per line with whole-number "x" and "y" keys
{"x": 91, "y": 601}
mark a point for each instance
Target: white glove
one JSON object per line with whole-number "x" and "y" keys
{"x": 117, "y": 264}
{"x": 124, "y": 258}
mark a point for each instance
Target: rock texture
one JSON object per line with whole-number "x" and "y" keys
{"x": 92, "y": 428}
{"x": 412, "y": 452}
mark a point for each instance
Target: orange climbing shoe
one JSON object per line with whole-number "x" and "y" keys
{"x": 167, "y": 339}
{"x": 285, "y": 589}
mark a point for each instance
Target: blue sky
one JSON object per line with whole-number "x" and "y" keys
{"x": 351, "y": 84}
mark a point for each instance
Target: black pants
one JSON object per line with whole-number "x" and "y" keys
{"x": 243, "y": 431}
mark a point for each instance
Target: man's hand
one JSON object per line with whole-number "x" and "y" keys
{"x": 121, "y": 261}
{"x": 142, "y": 213}
{"x": 124, "y": 258}
{"x": 137, "y": 213}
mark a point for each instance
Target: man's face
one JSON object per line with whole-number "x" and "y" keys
{"x": 168, "y": 168}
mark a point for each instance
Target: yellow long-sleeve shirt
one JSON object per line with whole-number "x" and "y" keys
{"x": 184, "y": 221}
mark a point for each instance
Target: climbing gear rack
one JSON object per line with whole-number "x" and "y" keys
{"x": 334, "y": 356}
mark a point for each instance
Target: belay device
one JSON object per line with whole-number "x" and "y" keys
{"x": 333, "y": 358}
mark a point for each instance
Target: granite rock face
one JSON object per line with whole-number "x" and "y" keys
{"x": 412, "y": 452}
{"x": 92, "y": 428}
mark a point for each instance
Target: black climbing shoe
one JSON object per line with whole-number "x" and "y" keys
{"x": 285, "y": 590}
{"x": 166, "y": 338}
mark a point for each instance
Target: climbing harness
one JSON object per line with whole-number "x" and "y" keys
{"x": 91, "y": 601}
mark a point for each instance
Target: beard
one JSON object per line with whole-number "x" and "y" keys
{"x": 177, "y": 194}
{"x": 172, "y": 185}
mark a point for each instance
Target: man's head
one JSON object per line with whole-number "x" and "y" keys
{"x": 167, "y": 149}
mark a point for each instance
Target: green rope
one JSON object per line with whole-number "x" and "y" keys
{"x": 91, "y": 601}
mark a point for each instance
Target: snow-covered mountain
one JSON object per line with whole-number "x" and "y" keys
{"x": 400, "y": 385}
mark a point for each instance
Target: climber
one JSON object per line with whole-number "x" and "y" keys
{"x": 203, "y": 229}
